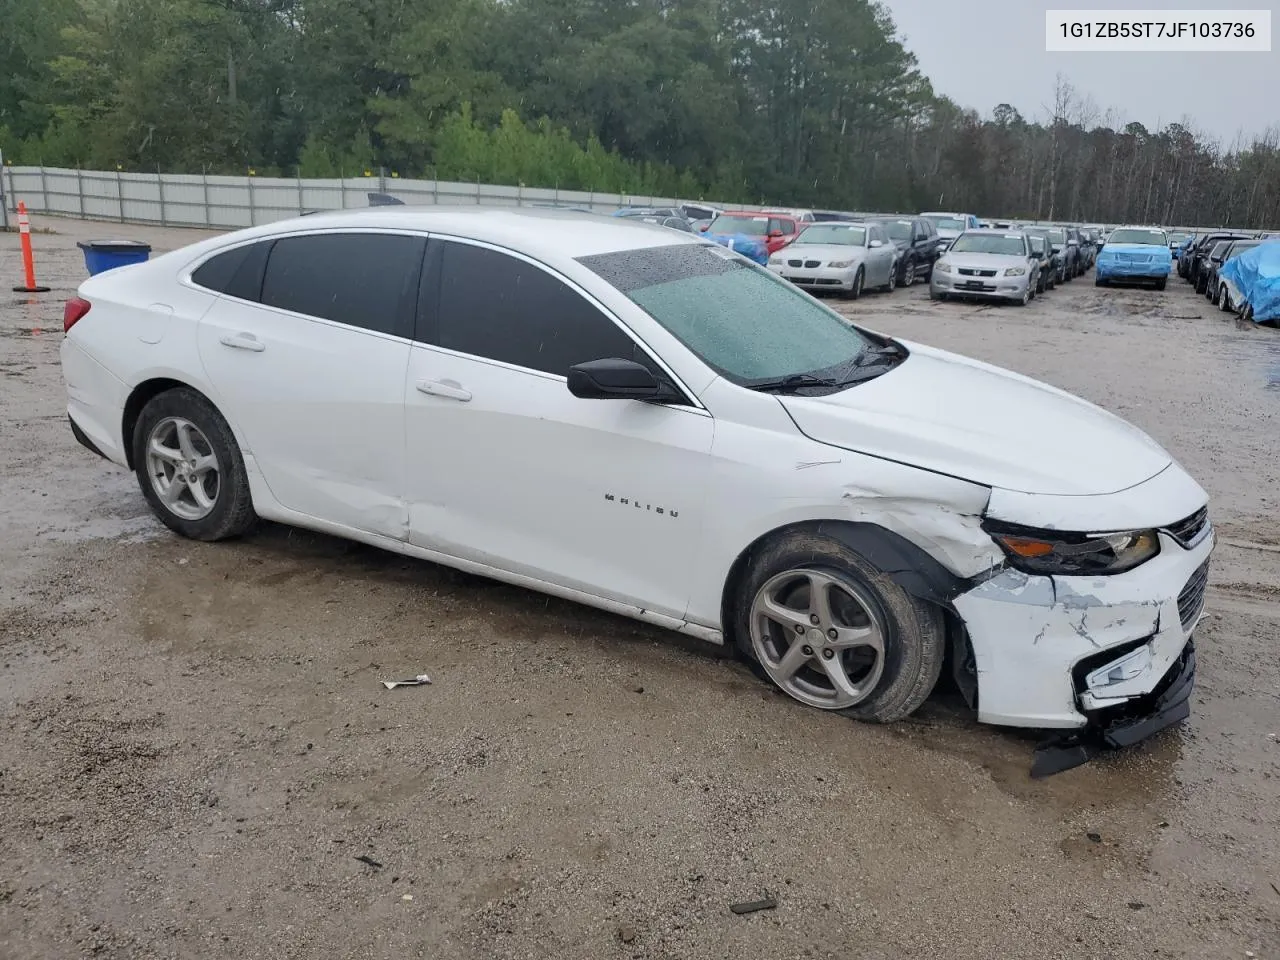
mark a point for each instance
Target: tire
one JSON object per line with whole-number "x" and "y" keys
{"x": 1224, "y": 300}
{"x": 1162, "y": 283}
{"x": 912, "y": 634}
{"x": 217, "y": 505}
{"x": 1099, "y": 282}
{"x": 858, "y": 279}
{"x": 892, "y": 283}
{"x": 935, "y": 295}
{"x": 1026, "y": 296}
{"x": 909, "y": 274}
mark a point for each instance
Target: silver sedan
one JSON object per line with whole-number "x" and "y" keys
{"x": 987, "y": 264}
{"x": 840, "y": 258}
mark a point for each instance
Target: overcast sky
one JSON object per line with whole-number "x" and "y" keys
{"x": 984, "y": 52}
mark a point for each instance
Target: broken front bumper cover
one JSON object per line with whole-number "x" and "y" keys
{"x": 1116, "y": 727}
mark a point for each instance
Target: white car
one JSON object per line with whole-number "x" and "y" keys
{"x": 646, "y": 422}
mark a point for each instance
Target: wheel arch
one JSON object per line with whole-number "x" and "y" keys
{"x": 139, "y": 397}
{"x": 902, "y": 561}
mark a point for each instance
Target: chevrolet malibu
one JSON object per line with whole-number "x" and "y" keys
{"x": 990, "y": 264}
{"x": 839, "y": 258}
{"x": 646, "y": 422}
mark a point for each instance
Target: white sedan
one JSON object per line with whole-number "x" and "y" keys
{"x": 646, "y": 422}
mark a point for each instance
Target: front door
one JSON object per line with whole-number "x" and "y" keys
{"x": 312, "y": 374}
{"x": 509, "y": 469}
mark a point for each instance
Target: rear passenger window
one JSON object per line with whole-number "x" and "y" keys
{"x": 237, "y": 273}
{"x": 367, "y": 280}
{"x": 502, "y": 308}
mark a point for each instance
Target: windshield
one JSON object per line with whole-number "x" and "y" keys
{"x": 1179, "y": 238}
{"x": 947, "y": 223}
{"x": 842, "y": 236}
{"x": 1058, "y": 235}
{"x": 1241, "y": 246}
{"x": 1129, "y": 235}
{"x": 898, "y": 229}
{"x": 988, "y": 241}
{"x": 742, "y": 321}
{"x": 731, "y": 223}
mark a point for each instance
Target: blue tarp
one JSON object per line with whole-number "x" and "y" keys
{"x": 753, "y": 248}
{"x": 1256, "y": 275}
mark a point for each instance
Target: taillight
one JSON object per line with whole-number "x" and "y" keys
{"x": 75, "y": 309}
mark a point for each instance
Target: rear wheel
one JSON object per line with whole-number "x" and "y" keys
{"x": 834, "y": 632}
{"x": 189, "y": 467}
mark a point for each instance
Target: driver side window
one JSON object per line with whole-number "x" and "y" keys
{"x": 499, "y": 307}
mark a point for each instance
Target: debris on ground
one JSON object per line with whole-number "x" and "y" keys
{"x": 369, "y": 861}
{"x": 752, "y": 906}
{"x": 420, "y": 680}
{"x": 626, "y": 933}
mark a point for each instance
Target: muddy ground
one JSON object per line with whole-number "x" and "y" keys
{"x": 194, "y": 748}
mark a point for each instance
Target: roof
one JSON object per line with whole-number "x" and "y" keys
{"x": 533, "y": 230}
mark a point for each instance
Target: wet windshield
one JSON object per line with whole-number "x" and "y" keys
{"x": 741, "y": 320}
{"x": 840, "y": 236}
{"x": 898, "y": 229}
{"x": 755, "y": 226}
{"x": 947, "y": 223}
{"x": 987, "y": 241}
{"x": 1153, "y": 237}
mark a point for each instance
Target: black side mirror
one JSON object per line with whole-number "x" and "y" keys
{"x": 616, "y": 379}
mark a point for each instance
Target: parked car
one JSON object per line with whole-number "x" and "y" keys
{"x": 988, "y": 264}
{"x": 1181, "y": 256}
{"x": 918, "y": 246}
{"x": 1043, "y": 251}
{"x": 699, "y": 211}
{"x": 1176, "y": 241}
{"x": 663, "y": 212}
{"x": 1220, "y": 291}
{"x": 1135, "y": 254}
{"x": 614, "y": 413}
{"x": 951, "y": 225}
{"x": 1066, "y": 245}
{"x": 776, "y": 230}
{"x": 1089, "y": 245}
{"x": 1052, "y": 264}
{"x": 1200, "y": 253}
{"x": 804, "y": 216}
{"x": 1207, "y": 283}
{"x": 834, "y": 216}
{"x": 1253, "y": 281}
{"x": 839, "y": 258}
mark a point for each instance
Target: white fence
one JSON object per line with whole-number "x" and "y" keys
{"x": 194, "y": 200}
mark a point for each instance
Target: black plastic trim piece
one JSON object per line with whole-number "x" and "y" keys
{"x": 83, "y": 438}
{"x": 901, "y": 560}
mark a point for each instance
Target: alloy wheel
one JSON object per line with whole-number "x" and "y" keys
{"x": 183, "y": 468}
{"x": 909, "y": 274}
{"x": 819, "y": 637}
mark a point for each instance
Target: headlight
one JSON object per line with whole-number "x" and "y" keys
{"x": 1015, "y": 271}
{"x": 1073, "y": 554}
{"x": 840, "y": 264}
{"x": 942, "y": 266}
{"x": 777, "y": 260}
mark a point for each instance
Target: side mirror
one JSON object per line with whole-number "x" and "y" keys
{"x": 876, "y": 243}
{"x": 774, "y": 234}
{"x": 615, "y": 379}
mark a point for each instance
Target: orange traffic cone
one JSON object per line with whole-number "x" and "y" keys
{"x": 28, "y": 261}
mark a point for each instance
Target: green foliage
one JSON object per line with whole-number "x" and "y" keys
{"x": 806, "y": 102}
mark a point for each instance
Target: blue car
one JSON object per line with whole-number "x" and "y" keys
{"x": 1134, "y": 254}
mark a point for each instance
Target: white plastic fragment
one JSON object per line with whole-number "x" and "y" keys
{"x": 418, "y": 681}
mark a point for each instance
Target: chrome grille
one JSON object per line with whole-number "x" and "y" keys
{"x": 970, "y": 272}
{"x": 1189, "y": 530}
{"x": 1191, "y": 599}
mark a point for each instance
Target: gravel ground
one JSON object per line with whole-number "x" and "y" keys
{"x": 194, "y": 749}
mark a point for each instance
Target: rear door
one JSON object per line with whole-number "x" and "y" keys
{"x": 880, "y": 259}
{"x": 309, "y": 365}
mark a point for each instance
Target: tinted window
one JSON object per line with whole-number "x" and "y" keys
{"x": 497, "y": 306}
{"x": 237, "y": 273}
{"x": 367, "y": 280}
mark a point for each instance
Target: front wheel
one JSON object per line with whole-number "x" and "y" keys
{"x": 856, "y": 290}
{"x": 832, "y": 631}
{"x": 1224, "y": 300}
{"x": 189, "y": 467}
{"x": 1161, "y": 283}
{"x": 909, "y": 274}
{"x": 1100, "y": 282}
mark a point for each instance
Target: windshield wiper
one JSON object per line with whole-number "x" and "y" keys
{"x": 794, "y": 381}
{"x": 889, "y": 352}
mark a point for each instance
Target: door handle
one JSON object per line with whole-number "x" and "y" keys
{"x": 243, "y": 341}
{"x": 444, "y": 388}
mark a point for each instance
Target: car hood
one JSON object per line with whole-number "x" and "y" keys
{"x": 821, "y": 251}
{"x": 985, "y": 261}
{"x": 947, "y": 413}
{"x": 1147, "y": 249}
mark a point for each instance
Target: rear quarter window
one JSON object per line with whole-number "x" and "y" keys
{"x": 235, "y": 273}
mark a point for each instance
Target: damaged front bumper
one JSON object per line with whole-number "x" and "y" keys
{"x": 1068, "y": 653}
{"x": 1114, "y": 727}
